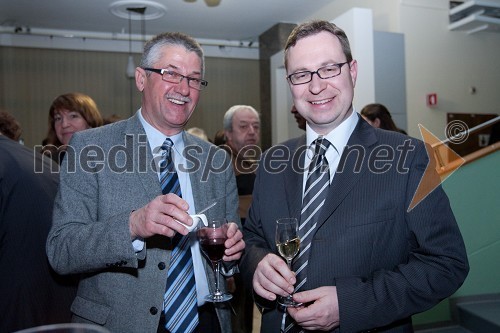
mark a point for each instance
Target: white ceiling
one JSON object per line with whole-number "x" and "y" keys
{"x": 240, "y": 20}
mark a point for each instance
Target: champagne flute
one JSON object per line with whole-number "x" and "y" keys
{"x": 288, "y": 244}
{"x": 212, "y": 239}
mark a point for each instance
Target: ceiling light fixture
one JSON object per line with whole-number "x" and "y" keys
{"x": 212, "y": 3}
{"x": 155, "y": 10}
{"x": 209, "y": 3}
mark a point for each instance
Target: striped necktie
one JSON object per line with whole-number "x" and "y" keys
{"x": 316, "y": 190}
{"x": 180, "y": 303}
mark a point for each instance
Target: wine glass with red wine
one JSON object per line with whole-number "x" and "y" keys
{"x": 212, "y": 239}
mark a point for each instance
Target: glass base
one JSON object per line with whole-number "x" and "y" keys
{"x": 215, "y": 298}
{"x": 288, "y": 302}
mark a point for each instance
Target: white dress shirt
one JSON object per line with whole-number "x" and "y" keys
{"x": 338, "y": 138}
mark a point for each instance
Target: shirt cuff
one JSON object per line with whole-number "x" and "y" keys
{"x": 138, "y": 244}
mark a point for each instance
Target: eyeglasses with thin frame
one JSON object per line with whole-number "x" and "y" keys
{"x": 174, "y": 77}
{"x": 325, "y": 72}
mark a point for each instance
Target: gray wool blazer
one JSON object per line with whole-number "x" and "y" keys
{"x": 387, "y": 263}
{"x": 104, "y": 176}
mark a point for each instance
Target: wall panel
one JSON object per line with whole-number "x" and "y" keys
{"x": 31, "y": 78}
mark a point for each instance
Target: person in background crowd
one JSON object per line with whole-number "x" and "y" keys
{"x": 122, "y": 224}
{"x": 69, "y": 113}
{"x": 369, "y": 256}
{"x": 301, "y": 122}
{"x": 9, "y": 126}
{"x": 112, "y": 119}
{"x": 242, "y": 132}
{"x": 379, "y": 116}
{"x": 219, "y": 138}
{"x": 196, "y": 131}
{"x": 32, "y": 294}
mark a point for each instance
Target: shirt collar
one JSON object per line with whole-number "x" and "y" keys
{"x": 339, "y": 136}
{"x": 156, "y": 138}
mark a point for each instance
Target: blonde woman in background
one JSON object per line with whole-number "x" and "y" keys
{"x": 196, "y": 131}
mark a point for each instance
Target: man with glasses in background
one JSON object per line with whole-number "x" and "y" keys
{"x": 121, "y": 213}
{"x": 368, "y": 259}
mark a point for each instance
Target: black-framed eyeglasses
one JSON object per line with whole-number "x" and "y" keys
{"x": 174, "y": 77}
{"x": 325, "y": 72}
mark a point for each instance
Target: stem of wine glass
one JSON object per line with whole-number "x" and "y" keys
{"x": 289, "y": 263}
{"x": 217, "y": 277}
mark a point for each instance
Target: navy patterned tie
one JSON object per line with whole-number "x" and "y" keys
{"x": 316, "y": 190}
{"x": 180, "y": 302}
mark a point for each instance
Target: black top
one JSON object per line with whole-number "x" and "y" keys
{"x": 245, "y": 182}
{"x": 32, "y": 294}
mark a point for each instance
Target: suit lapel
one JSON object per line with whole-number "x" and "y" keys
{"x": 293, "y": 177}
{"x": 143, "y": 158}
{"x": 351, "y": 168}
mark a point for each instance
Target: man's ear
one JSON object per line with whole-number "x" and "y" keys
{"x": 140, "y": 78}
{"x": 227, "y": 136}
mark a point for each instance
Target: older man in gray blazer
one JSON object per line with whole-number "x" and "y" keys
{"x": 112, "y": 224}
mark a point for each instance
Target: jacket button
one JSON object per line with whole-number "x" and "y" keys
{"x": 161, "y": 265}
{"x": 153, "y": 310}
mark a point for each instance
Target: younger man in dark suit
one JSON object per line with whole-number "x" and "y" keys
{"x": 366, "y": 261}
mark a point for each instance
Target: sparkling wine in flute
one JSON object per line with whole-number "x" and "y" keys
{"x": 289, "y": 249}
{"x": 288, "y": 244}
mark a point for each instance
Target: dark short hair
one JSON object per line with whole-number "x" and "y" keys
{"x": 377, "y": 110}
{"x": 314, "y": 27}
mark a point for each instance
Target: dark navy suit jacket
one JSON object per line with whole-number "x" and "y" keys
{"x": 388, "y": 263}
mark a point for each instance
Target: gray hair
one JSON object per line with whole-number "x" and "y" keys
{"x": 153, "y": 48}
{"x": 228, "y": 116}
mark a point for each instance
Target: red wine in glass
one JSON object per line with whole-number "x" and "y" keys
{"x": 213, "y": 248}
{"x": 212, "y": 239}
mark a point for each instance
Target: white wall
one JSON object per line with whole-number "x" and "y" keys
{"x": 281, "y": 102}
{"x": 447, "y": 63}
{"x": 437, "y": 60}
{"x": 284, "y": 125}
{"x": 358, "y": 25}
{"x": 382, "y": 11}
